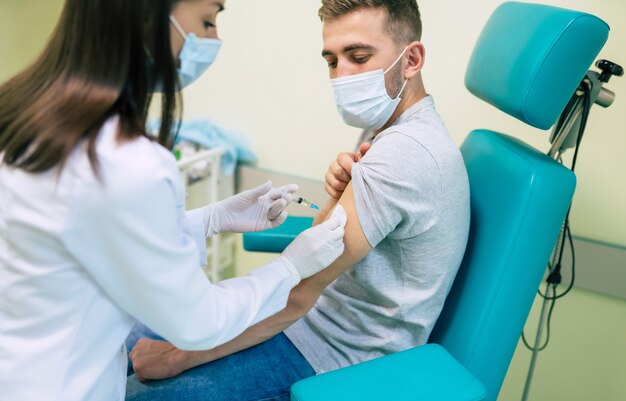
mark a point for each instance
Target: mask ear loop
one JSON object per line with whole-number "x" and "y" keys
{"x": 393, "y": 65}
{"x": 178, "y": 27}
{"x": 402, "y": 89}
{"x": 398, "y": 59}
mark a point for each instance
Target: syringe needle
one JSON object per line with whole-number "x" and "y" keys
{"x": 300, "y": 200}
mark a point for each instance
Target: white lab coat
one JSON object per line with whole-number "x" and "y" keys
{"x": 80, "y": 259}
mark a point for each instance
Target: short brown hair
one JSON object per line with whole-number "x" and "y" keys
{"x": 404, "y": 21}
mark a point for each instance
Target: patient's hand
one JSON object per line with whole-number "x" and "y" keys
{"x": 154, "y": 360}
{"x": 339, "y": 172}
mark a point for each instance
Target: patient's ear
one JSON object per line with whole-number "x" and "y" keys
{"x": 417, "y": 53}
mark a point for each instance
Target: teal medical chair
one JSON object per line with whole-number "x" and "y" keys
{"x": 528, "y": 61}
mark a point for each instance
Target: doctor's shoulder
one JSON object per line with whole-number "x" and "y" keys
{"x": 128, "y": 166}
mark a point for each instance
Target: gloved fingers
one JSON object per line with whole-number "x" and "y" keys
{"x": 283, "y": 192}
{"x": 280, "y": 219}
{"x": 337, "y": 234}
{"x": 289, "y": 189}
{"x": 339, "y": 219}
{"x": 336, "y": 224}
{"x": 330, "y": 225}
{"x": 339, "y": 214}
{"x": 274, "y": 194}
{"x": 287, "y": 197}
{"x": 258, "y": 191}
{"x": 276, "y": 208}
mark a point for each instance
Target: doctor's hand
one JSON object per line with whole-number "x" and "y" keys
{"x": 316, "y": 248}
{"x": 257, "y": 209}
{"x": 339, "y": 171}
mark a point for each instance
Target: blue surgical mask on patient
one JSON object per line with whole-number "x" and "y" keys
{"x": 362, "y": 99}
{"x": 196, "y": 55}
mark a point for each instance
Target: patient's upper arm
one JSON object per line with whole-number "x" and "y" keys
{"x": 356, "y": 245}
{"x": 395, "y": 193}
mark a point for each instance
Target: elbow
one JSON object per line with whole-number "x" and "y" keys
{"x": 190, "y": 340}
{"x": 190, "y": 334}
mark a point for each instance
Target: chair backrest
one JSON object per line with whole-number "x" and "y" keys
{"x": 528, "y": 62}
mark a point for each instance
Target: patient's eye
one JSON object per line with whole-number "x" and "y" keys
{"x": 332, "y": 63}
{"x": 360, "y": 59}
{"x": 208, "y": 24}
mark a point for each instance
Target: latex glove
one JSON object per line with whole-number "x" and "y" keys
{"x": 316, "y": 248}
{"x": 257, "y": 209}
{"x": 339, "y": 171}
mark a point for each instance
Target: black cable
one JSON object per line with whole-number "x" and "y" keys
{"x": 551, "y": 270}
{"x": 541, "y": 294}
{"x": 571, "y": 283}
{"x": 548, "y": 320}
{"x": 554, "y": 272}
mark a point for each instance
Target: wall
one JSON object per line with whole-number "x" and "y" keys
{"x": 586, "y": 357}
{"x": 24, "y": 28}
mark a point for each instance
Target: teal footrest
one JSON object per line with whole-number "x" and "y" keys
{"x": 276, "y": 239}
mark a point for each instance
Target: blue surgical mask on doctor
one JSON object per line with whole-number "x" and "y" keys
{"x": 196, "y": 55}
{"x": 362, "y": 99}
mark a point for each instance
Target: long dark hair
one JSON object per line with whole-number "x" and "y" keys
{"x": 103, "y": 59}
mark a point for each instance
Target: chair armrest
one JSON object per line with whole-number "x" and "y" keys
{"x": 276, "y": 239}
{"x": 428, "y": 372}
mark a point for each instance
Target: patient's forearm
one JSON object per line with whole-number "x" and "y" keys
{"x": 301, "y": 300}
{"x": 298, "y": 305}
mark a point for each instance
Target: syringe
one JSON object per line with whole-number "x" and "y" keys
{"x": 300, "y": 200}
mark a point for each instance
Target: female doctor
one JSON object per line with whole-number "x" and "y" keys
{"x": 92, "y": 229}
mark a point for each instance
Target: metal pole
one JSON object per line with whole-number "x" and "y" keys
{"x": 533, "y": 359}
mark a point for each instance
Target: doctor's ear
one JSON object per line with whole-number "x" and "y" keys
{"x": 416, "y": 54}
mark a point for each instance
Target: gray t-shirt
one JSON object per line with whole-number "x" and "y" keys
{"x": 412, "y": 199}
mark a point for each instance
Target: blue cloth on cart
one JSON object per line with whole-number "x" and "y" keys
{"x": 208, "y": 134}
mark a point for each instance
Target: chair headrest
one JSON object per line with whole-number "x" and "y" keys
{"x": 530, "y": 58}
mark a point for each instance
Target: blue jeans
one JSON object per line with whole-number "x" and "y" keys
{"x": 262, "y": 373}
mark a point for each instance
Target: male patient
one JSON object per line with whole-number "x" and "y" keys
{"x": 407, "y": 201}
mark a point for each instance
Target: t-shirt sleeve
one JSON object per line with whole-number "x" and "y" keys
{"x": 397, "y": 189}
